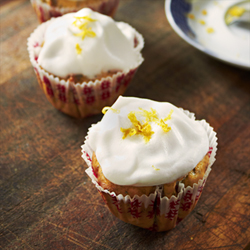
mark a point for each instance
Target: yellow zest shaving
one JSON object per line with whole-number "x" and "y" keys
{"x": 86, "y": 32}
{"x": 191, "y": 16}
{"x": 202, "y": 22}
{"x": 78, "y": 49}
{"x": 106, "y": 109}
{"x": 162, "y": 123}
{"x": 164, "y": 126}
{"x": 204, "y": 12}
{"x": 210, "y": 30}
{"x": 169, "y": 115}
{"x": 155, "y": 168}
{"x": 87, "y": 18}
{"x": 236, "y": 11}
{"x": 128, "y": 132}
{"x": 144, "y": 128}
{"x": 81, "y": 23}
{"x": 149, "y": 115}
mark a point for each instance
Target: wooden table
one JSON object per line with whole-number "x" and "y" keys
{"x": 46, "y": 199}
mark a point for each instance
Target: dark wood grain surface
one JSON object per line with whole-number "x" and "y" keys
{"x": 46, "y": 199}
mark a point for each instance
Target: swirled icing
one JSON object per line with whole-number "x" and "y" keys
{"x": 168, "y": 154}
{"x": 109, "y": 45}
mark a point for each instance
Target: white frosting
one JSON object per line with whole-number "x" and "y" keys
{"x": 112, "y": 47}
{"x": 132, "y": 161}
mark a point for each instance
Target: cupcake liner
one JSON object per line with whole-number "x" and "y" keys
{"x": 80, "y": 99}
{"x": 45, "y": 11}
{"x": 154, "y": 212}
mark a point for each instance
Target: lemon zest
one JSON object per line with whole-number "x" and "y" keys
{"x": 143, "y": 129}
{"x": 88, "y": 18}
{"x": 81, "y": 23}
{"x": 106, "y": 109}
{"x": 155, "y": 168}
{"x": 86, "y": 32}
{"x": 210, "y": 30}
{"x": 78, "y": 49}
{"x": 236, "y": 11}
{"x": 169, "y": 115}
{"x": 128, "y": 132}
{"x": 202, "y": 22}
{"x": 149, "y": 115}
{"x": 164, "y": 126}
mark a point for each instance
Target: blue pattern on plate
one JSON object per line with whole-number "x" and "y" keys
{"x": 179, "y": 10}
{"x": 176, "y": 12}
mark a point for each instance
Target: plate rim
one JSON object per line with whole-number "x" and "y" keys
{"x": 197, "y": 45}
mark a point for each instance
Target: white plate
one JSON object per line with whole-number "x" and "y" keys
{"x": 228, "y": 44}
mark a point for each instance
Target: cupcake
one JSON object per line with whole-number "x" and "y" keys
{"x": 46, "y": 9}
{"x": 150, "y": 161}
{"x": 83, "y": 61}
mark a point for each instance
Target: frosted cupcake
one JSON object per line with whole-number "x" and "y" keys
{"x": 150, "y": 161}
{"x": 85, "y": 60}
{"x": 46, "y": 9}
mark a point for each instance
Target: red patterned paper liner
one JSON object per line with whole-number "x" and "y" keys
{"x": 80, "y": 99}
{"x": 45, "y": 12}
{"x": 154, "y": 212}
